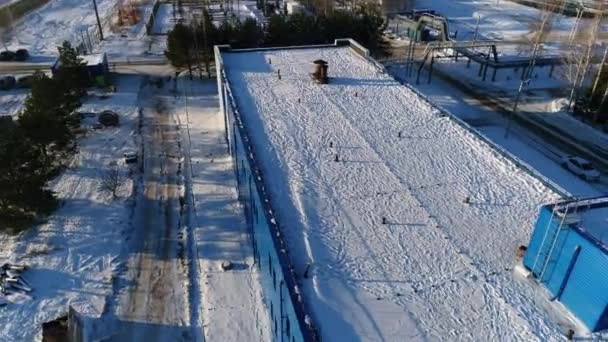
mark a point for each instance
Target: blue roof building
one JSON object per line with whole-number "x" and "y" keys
{"x": 568, "y": 253}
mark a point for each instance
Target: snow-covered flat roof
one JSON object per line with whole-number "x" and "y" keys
{"x": 396, "y": 252}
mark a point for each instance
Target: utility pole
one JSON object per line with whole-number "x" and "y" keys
{"x": 528, "y": 71}
{"x": 206, "y": 44}
{"x": 98, "y": 21}
{"x": 476, "y": 28}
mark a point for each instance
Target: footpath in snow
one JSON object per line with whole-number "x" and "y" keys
{"x": 395, "y": 249}
{"x": 231, "y": 301}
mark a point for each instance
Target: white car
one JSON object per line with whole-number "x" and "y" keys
{"x": 581, "y": 167}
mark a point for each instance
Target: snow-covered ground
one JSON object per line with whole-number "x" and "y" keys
{"x": 43, "y": 30}
{"x": 232, "y": 306}
{"x": 506, "y": 80}
{"x": 12, "y": 101}
{"x": 163, "y": 19}
{"x": 46, "y": 28}
{"x": 74, "y": 254}
{"x": 498, "y": 20}
{"x": 152, "y": 299}
{"x": 537, "y": 153}
{"x": 396, "y": 251}
{"x": 550, "y": 113}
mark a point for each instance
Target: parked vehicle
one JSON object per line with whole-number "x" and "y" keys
{"x": 24, "y": 81}
{"x": 130, "y": 157}
{"x": 7, "y": 56}
{"x": 21, "y": 55}
{"x": 581, "y": 167}
{"x": 7, "y": 82}
{"x": 108, "y": 118}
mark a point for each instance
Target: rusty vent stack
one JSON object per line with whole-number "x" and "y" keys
{"x": 320, "y": 73}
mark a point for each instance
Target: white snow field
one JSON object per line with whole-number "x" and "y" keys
{"x": 46, "y": 28}
{"x": 498, "y": 20}
{"x": 73, "y": 255}
{"x": 437, "y": 268}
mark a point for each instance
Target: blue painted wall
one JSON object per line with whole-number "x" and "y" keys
{"x": 287, "y": 316}
{"x": 578, "y": 280}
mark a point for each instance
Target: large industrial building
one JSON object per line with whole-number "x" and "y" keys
{"x": 376, "y": 215}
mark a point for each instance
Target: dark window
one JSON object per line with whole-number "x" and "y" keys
{"x": 274, "y": 280}
{"x": 275, "y": 326}
{"x": 287, "y": 328}
{"x": 271, "y": 311}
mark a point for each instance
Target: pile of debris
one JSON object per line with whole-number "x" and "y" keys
{"x": 12, "y": 281}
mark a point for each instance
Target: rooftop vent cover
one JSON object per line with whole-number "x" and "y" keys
{"x": 320, "y": 73}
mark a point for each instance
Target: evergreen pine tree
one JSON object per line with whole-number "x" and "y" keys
{"x": 180, "y": 49}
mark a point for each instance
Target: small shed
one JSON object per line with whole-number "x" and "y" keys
{"x": 96, "y": 65}
{"x": 568, "y": 254}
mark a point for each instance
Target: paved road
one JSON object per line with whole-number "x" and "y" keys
{"x": 485, "y": 112}
{"x": 115, "y": 64}
{"x": 154, "y": 304}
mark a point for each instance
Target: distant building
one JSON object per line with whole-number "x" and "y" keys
{"x": 396, "y": 6}
{"x": 294, "y": 7}
{"x": 96, "y": 64}
{"x": 568, "y": 253}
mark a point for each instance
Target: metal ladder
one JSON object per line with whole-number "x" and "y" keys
{"x": 542, "y": 243}
{"x": 555, "y": 237}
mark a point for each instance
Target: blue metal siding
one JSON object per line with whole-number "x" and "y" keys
{"x": 536, "y": 254}
{"x": 584, "y": 280}
{"x": 602, "y": 324}
{"x": 559, "y": 261}
{"x": 586, "y": 293}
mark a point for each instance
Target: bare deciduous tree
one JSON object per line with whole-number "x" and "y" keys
{"x": 539, "y": 31}
{"x": 112, "y": 180}
{"x": 580, "y": 50}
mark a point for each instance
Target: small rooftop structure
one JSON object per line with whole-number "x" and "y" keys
{"x": 320, "y": 74}
{"x": 568, "y": 253}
